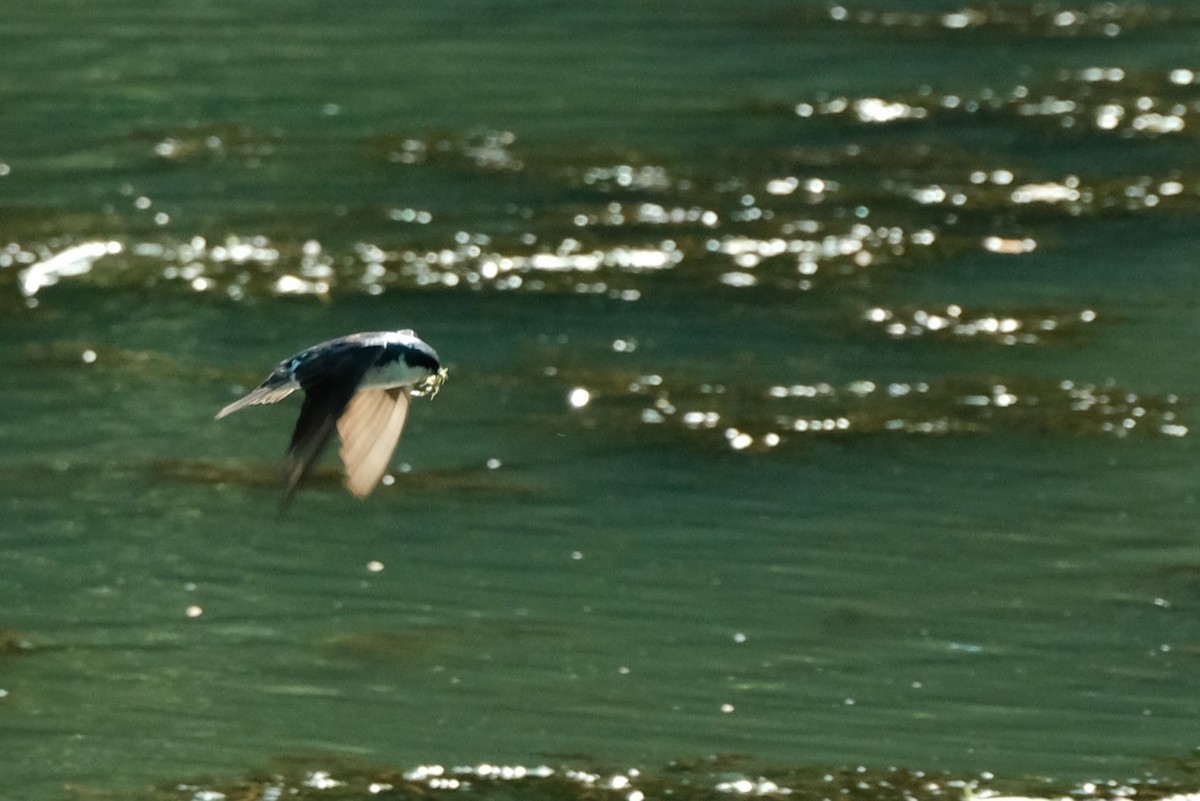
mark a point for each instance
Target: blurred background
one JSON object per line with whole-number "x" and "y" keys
{"x": 821, "y": 411}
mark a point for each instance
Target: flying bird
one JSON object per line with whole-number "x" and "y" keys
{"x": 360, "y": 385}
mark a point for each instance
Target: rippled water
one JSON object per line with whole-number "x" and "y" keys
{"x": 821, "y": 411}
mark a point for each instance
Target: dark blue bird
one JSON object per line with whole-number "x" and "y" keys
{"x": 360, "y": 385}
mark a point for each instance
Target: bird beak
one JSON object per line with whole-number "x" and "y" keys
{"x": 430, "y": 386}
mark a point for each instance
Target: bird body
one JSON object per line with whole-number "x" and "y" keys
{"x": 361, "y": 385}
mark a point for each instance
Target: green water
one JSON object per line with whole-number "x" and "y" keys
{"x": 822, "y": 394}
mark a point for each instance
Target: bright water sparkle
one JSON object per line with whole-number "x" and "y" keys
{"x": 822, "y": 410}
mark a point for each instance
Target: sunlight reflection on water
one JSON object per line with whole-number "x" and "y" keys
{"x": 824, "y": 387}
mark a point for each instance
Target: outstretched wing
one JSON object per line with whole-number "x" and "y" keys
{"x": 329, "y": 383}
{"x": 370, "y": 429}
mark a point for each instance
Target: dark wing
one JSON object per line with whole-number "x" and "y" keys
{"x": 283, "y": 379}
{"x": 370, "y": 430}
{"x": 329, "y": 382}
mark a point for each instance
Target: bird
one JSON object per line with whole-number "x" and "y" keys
{"x": 359, "y": 384}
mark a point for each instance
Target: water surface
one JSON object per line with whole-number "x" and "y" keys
{"x": 822, "y": 399}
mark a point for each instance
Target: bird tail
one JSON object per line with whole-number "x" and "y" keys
{"x": 257, "y": 397}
